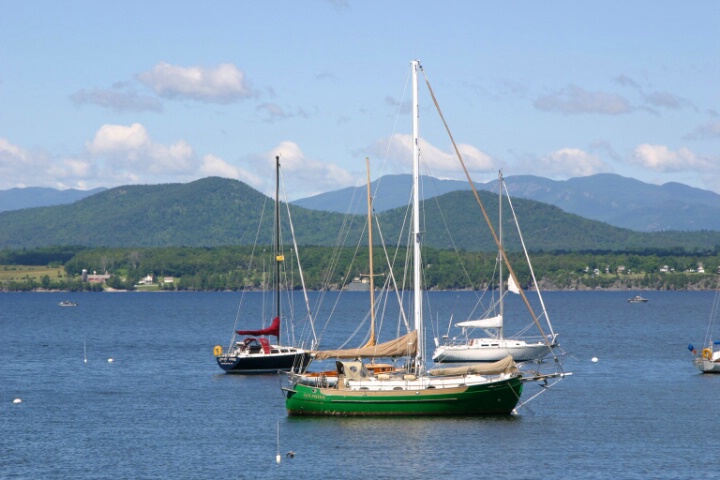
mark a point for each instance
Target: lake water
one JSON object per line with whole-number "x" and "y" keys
{"x": 163, "y": 408}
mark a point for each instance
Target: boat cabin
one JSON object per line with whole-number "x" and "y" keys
{"x": 254, "y": 345}
{"x": 352, "y": 370}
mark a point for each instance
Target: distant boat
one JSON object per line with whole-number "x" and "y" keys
{"x": 708, "y": 361}
{"x": 637, "y": 299}
{"x": 68, "y": 303}
{"x": 255, "y": 353}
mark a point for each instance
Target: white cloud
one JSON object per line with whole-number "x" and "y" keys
{"x": 111, "y": 139}
{"x": 21, "y": 168}
{"x": 10, "y": 154}
{"x": 439, "y": 163}
{"x": 302, "y": 176}
{"x": 131, "y": 146}
{"x": 574, "y": 162}
{"x": 222, "y": 84}
{"x": 118, "y": 98}
{"x": 576, "y": 100}
{"x": 213, "y": 166}
{"x": 17, "y": 166}
{"x": 564, "y": 163}
{"x": 72, "y": 169}
{"x": 660, "y": 158}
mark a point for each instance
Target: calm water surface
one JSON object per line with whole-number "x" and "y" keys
{"x": 163, "y": 409}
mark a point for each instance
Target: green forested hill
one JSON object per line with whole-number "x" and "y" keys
{"x": 216, "y": 212}
{"x": 208, "y": 212}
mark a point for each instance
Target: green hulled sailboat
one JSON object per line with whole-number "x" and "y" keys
{"x": 359, "y": 389}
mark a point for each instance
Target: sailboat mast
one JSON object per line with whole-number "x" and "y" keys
{"x": 416, "y": 218}
{"x": 278, "y": 257}
{"x": 500, "y": 259}
{"x": 371, "y": 275}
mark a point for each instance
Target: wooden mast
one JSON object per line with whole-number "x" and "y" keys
{"x": 372, "y": 341}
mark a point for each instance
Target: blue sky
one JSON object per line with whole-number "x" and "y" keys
{"x": 133, "y": 92}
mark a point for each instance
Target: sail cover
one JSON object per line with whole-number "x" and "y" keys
{"x": 400, "y": 347}
{"x": 506, "y": 365}
{"x": 492, "y": 322}
{"x": 273, "y": 329}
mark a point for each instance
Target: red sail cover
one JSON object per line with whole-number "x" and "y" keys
{"x": 273, "y": 329}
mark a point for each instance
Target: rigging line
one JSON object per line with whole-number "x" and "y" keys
{"x": 544, "y": 389}
{"x": 447, "y": 333}
{"x": 391, "y": 274}
{"x": 491, "y": 309}
{"x": 250, "y": 269}
{"x": 445, "y": 223}
{"x": 399, "y": 290}
{"x": 297, "y": 256}
{"x": 527, "y": 257}
{"x": 454, "y": 246}
{"x": 347, "y": 274}
{"x": 713, "y": 316}
{"x": 482, "y": 207}
{"x": 344, "y": 281}
{"x": 398, "y": 111}
{"x": 343, "y": 234}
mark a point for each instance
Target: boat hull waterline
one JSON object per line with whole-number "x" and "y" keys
{"x": 707, "y": 366}
{"x": 491, "y": 398}
{"x": 265, "y": 363}
{"x": 708, "y": 362}
{"x": 522, "y": 352}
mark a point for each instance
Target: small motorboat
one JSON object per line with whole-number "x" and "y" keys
{"x": 68, "y": 303}
{"x": 637, "y": 299}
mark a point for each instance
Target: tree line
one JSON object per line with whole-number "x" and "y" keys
{"x": 241, "y": 267}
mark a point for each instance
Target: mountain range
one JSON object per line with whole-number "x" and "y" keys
{"x": 610, "y": 198}
{"x": 19, "y": 198}
{"x": 216, "y": 211}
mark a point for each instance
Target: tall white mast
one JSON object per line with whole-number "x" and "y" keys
{"x": 500, "y": 258}
{"x": 416, "y": 219}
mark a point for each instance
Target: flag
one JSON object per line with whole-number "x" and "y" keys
{"x": 512, "y": 286}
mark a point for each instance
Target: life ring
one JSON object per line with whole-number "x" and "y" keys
{"x": 217, "y": 351}
{"x": 707, "y": 353}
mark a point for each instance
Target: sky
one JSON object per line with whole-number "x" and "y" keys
{"x": 105, "y": 94}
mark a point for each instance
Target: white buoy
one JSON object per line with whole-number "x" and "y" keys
{"x": 17, "y": 400}
{"x": 594, "y": 359}
{"x": 110, "y": 360}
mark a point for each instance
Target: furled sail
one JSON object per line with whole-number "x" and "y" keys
{"x": 273, "y": 329}
{"x": 506, "y": 365}
{"x": 405, "y": 346}
{"x": 491, "y": 322}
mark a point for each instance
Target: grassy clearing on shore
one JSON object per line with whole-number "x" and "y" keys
{"x": 29, "y": 272}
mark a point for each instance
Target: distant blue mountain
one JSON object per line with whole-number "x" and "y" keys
{"x": 610, "y": 198}
{"x": 19, "y": 198}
